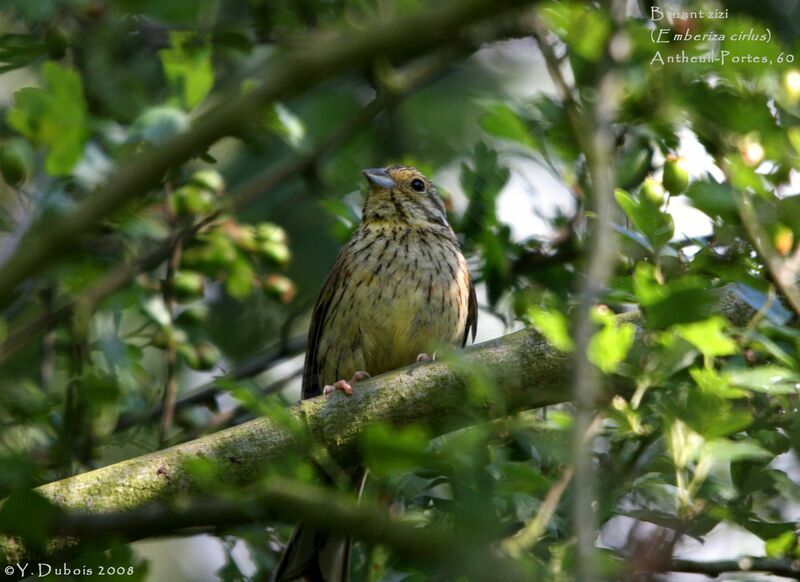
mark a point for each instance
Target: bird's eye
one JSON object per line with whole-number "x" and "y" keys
{"x": 418, "y": 185}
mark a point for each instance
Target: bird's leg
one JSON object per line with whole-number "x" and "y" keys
{"x": 423, "y": 357}
{"x": 344, "y": 385}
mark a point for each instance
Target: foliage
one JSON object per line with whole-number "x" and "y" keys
{"x": 699, "y": 429}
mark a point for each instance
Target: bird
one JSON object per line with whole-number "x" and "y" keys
{"x": 398, "y": 288}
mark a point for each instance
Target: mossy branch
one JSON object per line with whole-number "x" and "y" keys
{"x": 526, "y": 371}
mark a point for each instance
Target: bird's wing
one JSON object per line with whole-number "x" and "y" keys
{"x": 312, "y": 386}
{"x": 472, "y": 315}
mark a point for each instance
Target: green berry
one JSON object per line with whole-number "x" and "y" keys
{"x": 279, "y": 288}
{"x": 275, "y": 253}
{"x": 188, "y": 285}
{"x": 676, "y": 175}
{"x": 208, "y": 356}
{"x": 191, "y": 200}
{"x": 193, "y": 315}
{"x": 267, "y": 231}
{"x": 162, "y": 338}
{"x": 56, "y": 42}
{"x": 209, "y": 180}
{"x": 13, "y": 164}
{"x": 653, "y": 191}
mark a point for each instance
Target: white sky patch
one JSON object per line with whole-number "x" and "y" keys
{"x": 531, "y": 199}
{"x": 698, "y": 160}
{"x": 689, "y": 222}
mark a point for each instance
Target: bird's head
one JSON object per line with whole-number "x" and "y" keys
{"x": 402, "y": 195}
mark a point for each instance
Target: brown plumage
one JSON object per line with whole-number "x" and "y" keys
{"x": 400, "y": 287}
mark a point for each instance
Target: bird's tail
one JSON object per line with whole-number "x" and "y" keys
{"x": 313, "y": 556}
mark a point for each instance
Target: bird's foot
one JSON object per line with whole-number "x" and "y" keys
{"x": 423, "y": 357}
{"x": 344, "y": 385}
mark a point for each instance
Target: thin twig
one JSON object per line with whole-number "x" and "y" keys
{"x": 529, "y": 535}
{"x": 237, "y": 414}
{"x": 784, "y": 273}
{"x": 171, "y": 355}
{"x": 47, "y": 362}
{"x": 593, "y": 133}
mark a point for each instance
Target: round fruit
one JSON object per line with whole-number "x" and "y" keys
{"x": 13, "y": 165}
{"x": 267, "y": 231}
{"x": 243, "y": 236}
{"x": 208, "y": 356}
{"x": 188, "y": 285}
{"x": 208, "y": 180}
{"x": 279, "y": 288}
{"x": 676, "y": 175}
{"x": 190, "y": 200}
{"x": 162, "y": 338}
{"x": 193, "y": 315}
{"x": 653, "y": 191}
{"x": 56, "y": 42}
{"x": 276, "y": 253}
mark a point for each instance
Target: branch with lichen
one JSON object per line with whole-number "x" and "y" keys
{"x": 526, "y": 371}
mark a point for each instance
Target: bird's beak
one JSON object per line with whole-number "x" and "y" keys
{"x": 379, "y": 177}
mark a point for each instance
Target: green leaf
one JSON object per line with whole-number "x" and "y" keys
{"x": 727, "y": 451}
{"x": 19, "y": 50}
{"x": 609, "y": 346}
{"x": 239, "y": 283}
{"x": 503, "y": 122}
{"x": 715, "y": 200}
{"x": 708, "y": 336}
{"x": 712, "y": 382}
{"x": 553, "y": 325}
{"x": 482, "y": 185}
{"x": 585, "y": 29}
{"x": 28, "y": 515}
{"x": 782, "y": 545}
{"x": 683, "y": 300}
{"x": 516, "y": 477}
{"x": 766, "y": 379}
{"x": 389, "y": 450}
{"x": 495, "y": 267}
{"x": 645, "y": 215}
{"x": 55, "y": 117}
{"x": 634, "y": 162}
{"x": 187, "y": 65}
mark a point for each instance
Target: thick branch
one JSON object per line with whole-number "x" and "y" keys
{"x": 778, "y": 567}
{"x": 434, "y": 547}
{"x": 526, "y": 371}
{"x": 290, "y": 72}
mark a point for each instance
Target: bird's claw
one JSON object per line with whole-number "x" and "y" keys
{"x": 344, "y": 385}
